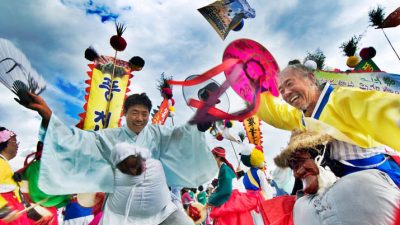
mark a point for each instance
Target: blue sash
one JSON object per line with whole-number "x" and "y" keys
{"x": 248, "y": 184}
{"x": 384, "y": 163}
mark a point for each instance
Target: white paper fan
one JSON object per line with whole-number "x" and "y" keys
{"x": 196, "y": 91}
{"x": 17, "y": 74}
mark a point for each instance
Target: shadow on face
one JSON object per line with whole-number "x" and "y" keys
{"x": 306, "y": 169}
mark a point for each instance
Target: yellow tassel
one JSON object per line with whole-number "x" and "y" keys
{"x": 352, "y": 61}
{"x": 256, "y": 158}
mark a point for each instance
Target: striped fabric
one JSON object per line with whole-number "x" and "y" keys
{"x": 344, "y": 151}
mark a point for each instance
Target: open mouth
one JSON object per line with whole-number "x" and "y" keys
{"x": 293, "y": 99}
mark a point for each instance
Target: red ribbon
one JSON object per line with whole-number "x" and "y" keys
{"x": 207, "y": 75}
{"x": 207, "y": 111}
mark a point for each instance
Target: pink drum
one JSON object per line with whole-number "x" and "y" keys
{"x": 257, "y": 72}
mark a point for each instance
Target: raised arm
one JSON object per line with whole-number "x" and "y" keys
{"x": 70, "y": 155}
{"x": 39, "y": 105}
{"x": 278, "y": 113}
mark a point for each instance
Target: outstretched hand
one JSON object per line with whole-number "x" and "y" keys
{"x": 39, "y": 105}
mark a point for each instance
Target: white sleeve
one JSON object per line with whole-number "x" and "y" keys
{"x": 70, "y": 157}
{"x": 265, "y": 187}
{"x": 184, "y": 147}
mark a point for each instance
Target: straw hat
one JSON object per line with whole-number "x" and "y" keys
{"x": 301, "y": 140}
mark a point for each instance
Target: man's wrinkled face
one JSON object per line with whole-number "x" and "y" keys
{"x": 296, "y": 89}
{"x": 137, "y": 117}
{"x": 304, "y": 168}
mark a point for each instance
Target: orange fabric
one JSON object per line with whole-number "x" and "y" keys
{"x": 253, "y": 131}
{"x": 161, "y": 116}
{"x": 279, "y": 210}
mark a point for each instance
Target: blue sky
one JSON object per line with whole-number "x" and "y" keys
{"x": 174, "y": 38}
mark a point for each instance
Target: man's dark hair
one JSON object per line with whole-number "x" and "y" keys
{"x": 200, "y": 188}
{"x": 137, "y": 99}
{"x": 184, "y": 190}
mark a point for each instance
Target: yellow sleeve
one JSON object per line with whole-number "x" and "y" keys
{"x": 278, "y": 113}
{"x": 370, "y": 113}
{"x": 4, "y": 175}
{"x": 3, "y": 202}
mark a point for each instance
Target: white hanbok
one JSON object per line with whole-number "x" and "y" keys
{"x": 78, "y": 161}
{"x": 141, "y": 200}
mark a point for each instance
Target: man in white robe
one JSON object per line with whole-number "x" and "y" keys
{"x": 78, "y": 161}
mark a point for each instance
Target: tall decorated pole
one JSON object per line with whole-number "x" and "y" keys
{"x": 393, "y": 20}
{"x": 108, "y": 83}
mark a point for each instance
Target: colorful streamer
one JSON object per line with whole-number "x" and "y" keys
{"x": 253, "y": 131}
{"x": 161, "y": 116}
{"x": 393, "y": 20}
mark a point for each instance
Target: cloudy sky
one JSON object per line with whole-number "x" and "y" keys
{"x": 173, "y": 37}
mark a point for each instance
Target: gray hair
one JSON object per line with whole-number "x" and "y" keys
{"x": 303, "y": 71}
{"x": 297, "y": 67}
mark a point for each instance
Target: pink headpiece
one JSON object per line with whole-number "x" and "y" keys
{"x": 5, "y": 135}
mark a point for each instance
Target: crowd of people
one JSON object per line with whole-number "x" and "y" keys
{"x": 342, "y": 152}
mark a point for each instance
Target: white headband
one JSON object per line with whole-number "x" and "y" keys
{"x": 122, "y": 150}
{"x": 5, "y": 135}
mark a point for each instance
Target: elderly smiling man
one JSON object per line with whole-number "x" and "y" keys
{"x": 361, "y": 122}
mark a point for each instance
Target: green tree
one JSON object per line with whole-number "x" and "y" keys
{"x": 317, "y": 56}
